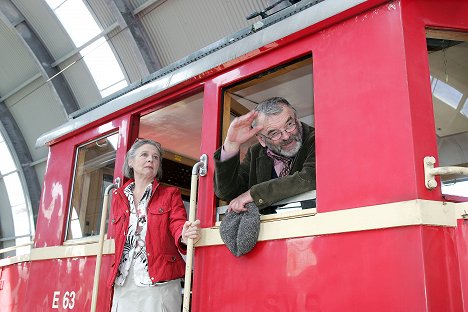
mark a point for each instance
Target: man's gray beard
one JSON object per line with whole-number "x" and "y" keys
{"x": 292, "y": 152}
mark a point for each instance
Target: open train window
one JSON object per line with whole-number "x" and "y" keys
{"x": 448, "y": 64}
{"x": 293, "y": 82}
{"x": 94, "y": 171}
{"x": 178, "y": 128}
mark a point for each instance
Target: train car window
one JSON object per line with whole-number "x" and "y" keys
{"x": 448, "y": 63}
{"x": 178, "y": 128}
{"x": 291, "y": 81}
{"x": 94, "y": 171}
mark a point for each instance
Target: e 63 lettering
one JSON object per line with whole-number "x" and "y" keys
{"x": 66, "y": 301}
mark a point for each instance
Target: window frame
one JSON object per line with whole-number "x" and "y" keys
{"x": 231, "y": 108}
{"x": 92, "y": 238}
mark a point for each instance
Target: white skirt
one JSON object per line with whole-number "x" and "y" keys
{"x": 164, "y": 297}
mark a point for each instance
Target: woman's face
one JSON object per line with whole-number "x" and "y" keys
{"x": 146, "y": 162}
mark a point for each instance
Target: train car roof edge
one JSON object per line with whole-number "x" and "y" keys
{"x": 306, "y": 13}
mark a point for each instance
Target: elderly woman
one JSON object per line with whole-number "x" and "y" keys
{"x": 150, "y": 232}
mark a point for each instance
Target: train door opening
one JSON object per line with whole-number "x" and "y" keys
{"x": 448, "y": 64}
{"x": 178, "y": 128}
{"x": 292, "y": 81}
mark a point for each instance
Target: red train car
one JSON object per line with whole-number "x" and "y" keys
{"x": 384, "y": 83}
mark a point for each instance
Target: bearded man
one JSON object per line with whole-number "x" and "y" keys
{"x": 280, "y": 165}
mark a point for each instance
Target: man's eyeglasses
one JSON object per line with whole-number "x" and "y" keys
{"x": 275, "y": 135}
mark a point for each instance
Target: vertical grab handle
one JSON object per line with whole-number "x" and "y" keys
{"x": 200, "y": 168}
{"x": 102, "y": 231}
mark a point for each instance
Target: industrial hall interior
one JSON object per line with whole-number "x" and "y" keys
{"x": 234, "y": 155}
{"x": 60, "y": 57}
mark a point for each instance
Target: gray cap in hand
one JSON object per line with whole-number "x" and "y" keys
{"x": 239, "y": 231}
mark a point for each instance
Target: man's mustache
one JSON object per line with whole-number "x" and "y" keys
{"x": 291, "y": 139}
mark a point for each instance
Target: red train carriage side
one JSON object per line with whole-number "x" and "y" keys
{"x": 372, "y": 78}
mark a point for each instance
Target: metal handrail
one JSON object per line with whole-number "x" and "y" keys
{"x": 102, "y": 230}
{"x": 430, "y": 172}
{"x": 200, "y": 168}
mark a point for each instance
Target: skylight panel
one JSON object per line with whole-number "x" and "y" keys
{"x": 53, "y": 4}
{"x": 14, "y": 189}
{"x": 464, "y": 110}
{"x": 7, "y": 165}
{"x": 20, "y": 212}
{"x": 446, "y": 93}
{"x": 78, "y": 21}
{"x": 103, "y": 66}
{"x": 98, "y": 56}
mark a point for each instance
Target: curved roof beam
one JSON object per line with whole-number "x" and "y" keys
{"x": 138, "y": 31}
{"x": 16, "y": 20}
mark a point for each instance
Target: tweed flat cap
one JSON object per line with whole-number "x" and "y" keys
{"x": 239, "y": 231}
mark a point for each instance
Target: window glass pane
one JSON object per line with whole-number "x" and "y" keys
{"x": 21, "y": 228}
{"x": 457, "y": 188}
{"x": 464, "y": 110}
{"x": 94, "y": 171}
{"x": 7, "y": 164}
{"x": 448, "y": 64}
{"x": 14, "y": 189}
{"x": 20, "y": 218}
{"x": 23, "y": 250}
{"x": 180, "y": 138}
{"x": 19, "y": 210}
{"x": 446, "y": 93}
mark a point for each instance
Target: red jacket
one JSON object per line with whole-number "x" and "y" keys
{"x": 166, "y": 216}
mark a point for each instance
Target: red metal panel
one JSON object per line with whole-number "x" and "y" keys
{"x": 365, "y": 128}
{"x": 416, "y": 16}
{"x": 209, "y": 143}
{"x": 446, "y": 263}
{"x": 50, "y": 226}
{"x": 448, "y": 14}
{"x": 365, "y": 143}
{"x": 442, "y": 275}
{"x": 14, "y": 281}
{"x": 380, "y": 270}
{"x": 372, "y": 133}
{"x": 462, "y": 254}
{"x": 66, "y": 285}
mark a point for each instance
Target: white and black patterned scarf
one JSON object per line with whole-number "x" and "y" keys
{"x": 134, "y": 251}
